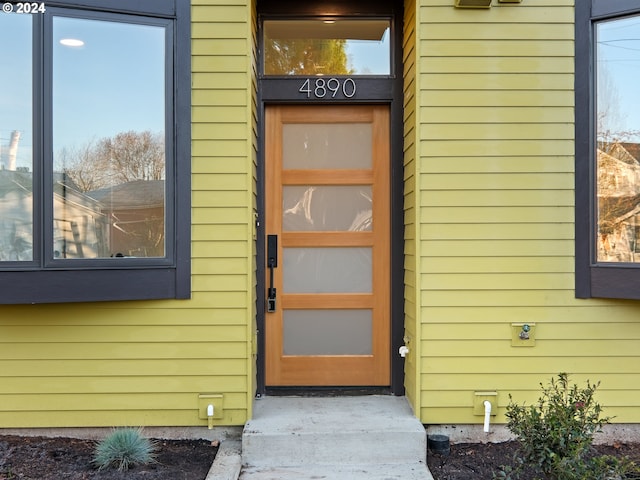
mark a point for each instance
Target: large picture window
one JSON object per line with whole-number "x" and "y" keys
{"x": 94, "y": 153}
{"x": 607, "y": 149}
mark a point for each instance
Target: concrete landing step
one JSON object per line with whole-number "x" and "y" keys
{"x": 334, "y": 472}
{"x": 342, "y": 432}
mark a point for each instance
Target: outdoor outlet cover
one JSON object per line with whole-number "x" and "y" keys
{"x": 479, "y": 399}
{"x": 523, "y": 334}
{"x": 206, "y": 399}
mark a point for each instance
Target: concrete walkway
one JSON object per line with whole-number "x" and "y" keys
{"x": 343, "y": 438}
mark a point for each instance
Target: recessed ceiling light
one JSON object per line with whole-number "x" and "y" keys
{"x": 72, "y": 42}
{"x": 328, "y": 22}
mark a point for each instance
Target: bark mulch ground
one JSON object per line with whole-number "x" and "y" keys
{"x": 479, "y": 461}
{"x": 41, "y": 458}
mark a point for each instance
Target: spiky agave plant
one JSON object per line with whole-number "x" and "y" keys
{"x": 124, "y": 448}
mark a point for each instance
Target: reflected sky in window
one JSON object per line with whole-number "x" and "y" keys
{"x": 15, "y": 91}
{"x": 113, "y": 83}
{"x": 618, "y": 67}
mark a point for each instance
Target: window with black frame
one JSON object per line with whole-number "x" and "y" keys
{"x": 607, "y": 149}
{"x": 93, "y": 173}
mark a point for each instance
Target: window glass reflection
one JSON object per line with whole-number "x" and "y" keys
{"x": 108, "y": 139}
{"x": 618, "y": 140}
{"x": 16, "y": 139}
{"x": 327, "y": 47}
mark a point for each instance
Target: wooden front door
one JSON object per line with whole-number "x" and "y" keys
{"x": 328, "y": 246}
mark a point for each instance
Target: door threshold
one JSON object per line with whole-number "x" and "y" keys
{"x": 325, "y": 391}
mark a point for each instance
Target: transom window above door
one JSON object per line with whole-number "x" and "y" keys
{"x": 327, "y": 46}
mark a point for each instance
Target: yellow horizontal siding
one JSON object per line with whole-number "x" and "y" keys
{"x": 144, "y": 363}
{"x": 204, "y": 232}
{"x": 494, "y": 164}
{"x": 108, "y": 418}
{"x": 498, "y": 248}
{"x": 492, "y": 147}
{"x": 219, "y": 46}
{"x": 496, "y": 64}
{"x": 226, "y": 12}
{"x": 560, "y": 14}
{"x": 548, "y": 348}
{"x": 527, "y": 362}
{"x": 472, "y": 215}
{"x": 217, "y": 131}
{"x": 219, "y": 97}
{"x": 480, "y": 31}
{"x": 226, "y": 147}
{"x": 496, "y": 212}
{"x": 497, "y": 81}
{"x": 102, "y": 401}
{"x": 492, "y": 48}
{"x": 552, "y": 330}
{"x": 502, "y": 281}
{"x": 224, "y": 80}
{"x": 525, "y": 382}
{"x": 563, "y": 317}
{"x": 460, "y": 415}
{"x": 212, "y": 349}
{"x": 474, "y": 264}
{"x": 411, "y": 275}
{"x": 492, "y": 197}
{"x": 505, "y": 181}
{"x": 521, "y": 98}
{"x": 216, "y": 165}
{"x": 208, "y": 198}
{"x": 109, "y": 367}
{"x": 122, "y": 333}
{"x": 505, "y": 298}
{"x": 481, "y": 114}
{"x": 217, "y": 114}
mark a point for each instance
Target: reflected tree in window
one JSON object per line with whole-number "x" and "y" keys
{"x": 125, "y": 175}
{"x": 306, "y": 57}
{"x": 126, "y": 157}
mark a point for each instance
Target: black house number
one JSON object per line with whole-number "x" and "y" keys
{"x": 328, "y": 88}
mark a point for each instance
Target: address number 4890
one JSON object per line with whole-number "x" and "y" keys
{"x": 323, "y": 88}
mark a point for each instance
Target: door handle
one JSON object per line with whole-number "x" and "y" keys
{"x": 272, "y": 263}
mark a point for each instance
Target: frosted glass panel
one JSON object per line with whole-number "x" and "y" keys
{"x": 327, "y": 270}
{"x": 327, "y": 332}
{"x": 322, "y": 145}
{"x": 321, "y": 208}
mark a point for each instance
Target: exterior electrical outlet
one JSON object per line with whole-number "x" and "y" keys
{"x": 206, "y": 399}
{"x": 523, "y": 334}
{"x": 479, "y": 399}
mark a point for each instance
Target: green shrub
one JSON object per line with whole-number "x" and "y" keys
{"x": 124, "y": 448}
{"x": 555, "y": 435}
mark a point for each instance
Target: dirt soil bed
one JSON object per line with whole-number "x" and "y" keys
{"x": 477, "y": 461}
{"x": 40, "y": 458}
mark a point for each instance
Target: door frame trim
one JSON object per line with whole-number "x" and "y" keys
{"x": 390, "y": 93}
